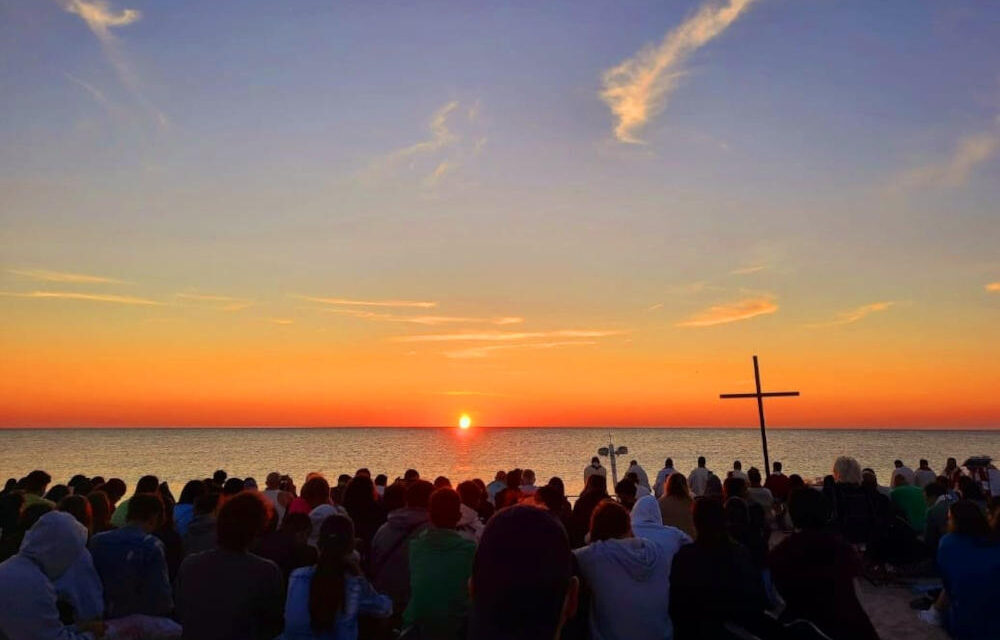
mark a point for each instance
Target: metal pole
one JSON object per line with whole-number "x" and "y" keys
{"x": 760, "y": 412}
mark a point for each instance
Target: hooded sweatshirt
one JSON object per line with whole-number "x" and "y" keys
{"x": 390, "y": 553}
{"x": 28, "y": 606}
{"x": 648, "y": 523}
{"x": 629, "y": 579}
{"x": 469, "y": 524}
{"x": 440, "y": 567}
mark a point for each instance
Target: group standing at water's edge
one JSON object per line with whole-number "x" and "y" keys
{"x": 428, "y": 560}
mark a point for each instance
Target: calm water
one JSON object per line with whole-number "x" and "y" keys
{"x": 177, "y": 455}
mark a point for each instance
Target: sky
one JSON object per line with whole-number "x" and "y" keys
{"x": 561, "y": 213}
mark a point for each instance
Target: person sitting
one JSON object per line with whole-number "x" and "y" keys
{"x": 132, "y": 564}
{"x": 440, "y": 567}
{"x": 80, "y": 592}
{"x": 713, "y": 582}
{"x": 512, "y": 494}
{"x": 288, "y": 546}
{"x": 628, "y": 578}
{"x": 641, "y": 478}
{"x": 363, "y": 506}
{"x": 390, "y": 558}
{"x": 969, "y": 562}
{"x": 661, "y": 477}
{"x": 758, "y": 494}
{"x": 648, "y": 523}
{"x": 522, "y": 582}
{"x": 815, "y": 570}
{"x": 528, "y": 487}
{"x": 325, "y": 601}
{"x": 499, "y": 484}
{"x": 626, "y": 491}
{"x": 855, "y": 514}
{"x": 34, "y": 486}
{"x": 936, "y": 523}
{"x": 909, "y": 499}
{"x": 777, "y": 483}
{"x": 595, "y": 492}
{"x": 184, "y": 509}
{"x": 279, "y": 499}
{"x": 316, "y": 493}
{"x": 469, "y": 524}
{"x": 676, "y": 504}
{"x": 640, "y": 490}
{"x": 146, "y": 484}
{"x": 28, "y": 604}
{"x": 228, "y": 593}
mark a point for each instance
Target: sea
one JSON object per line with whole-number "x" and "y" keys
{"x": 176, "y": 455}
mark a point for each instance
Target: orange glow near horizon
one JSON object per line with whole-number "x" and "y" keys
{"x": 464, "y": 422}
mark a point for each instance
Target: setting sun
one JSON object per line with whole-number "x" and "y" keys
{"x": 465, "y": 421}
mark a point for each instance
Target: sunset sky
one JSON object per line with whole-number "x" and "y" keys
{"x": 557, "y": 213}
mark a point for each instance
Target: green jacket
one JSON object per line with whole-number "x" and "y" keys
{"x": 440, "y": 566}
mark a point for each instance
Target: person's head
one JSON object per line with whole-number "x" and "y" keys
{"x": 116, "y": 489}
{"x": 326, "y": 591}
{"x": 668, "y": 463}
{"x": 418, "y": 494}
{"x": 528, "y": 477}
{"x": 241, "y": 519}
{"x": 597, "y": 484}
{"x": 411, "y": 475}
{"x": 737, "y": 465}
{"x": 626, "y": 491}
{"x": 899, "y": 480}
{"x": 31, "y": 514}
{"x": 147, "y": 484}
{"x": 632, "y": 476}
{"x": 470, "y": 494}
{"x": 933, "y": 491}
{"x": 701, "y": 461}
{"x": 970, "y": 489}
{"x": 677, "y": 486}
{"x": 79, "y": 507}
{"x": 808, "y": 509}
{"x": 96, "y": 480}
{"x": 595, "y": 461}
{"x": 145, "y": 510}
{"x": 868, "y": 479}
{"x": 522, "y": 583}
{"x": 442, "y": 481}
{"x": 753, "y": 475}
{"x": 272, "y": 481}
{"x": 57, "y": 493}
{"x": 360, "y": 496}
{"x": 206, "y": 504}
{"x": 445, "y": 508}
{"x": 250, "y": 484}
{"x": 298, "y": 525}
{"x": 231, "y": 487}
{"x": 53, "y": 542}
{"x": 734, "y": 487}
{"x": 80, "y": 484}
{"x": 513, "y": 478}
{"x": 609, "y": 520}
{"x": 965, "y": 518}
{"x": 219, "y": 477}
{"x": 100, "y": 510}
{"x": 381, "y": 480}
{"x": 363, "y": 471}
{"x": 557, "y": 483}
{"x": 951, "y": 464}
{"x": 191, "y": 491}
{"x": 795, "y": 481}
{"x": 394, "y": 496}
{"x": 924, "y": 464}
{"x": 549, "y": 497}
{"x": 897, "y": 463}
{"x": 776, "y": 466}
{"x": 713, "y": 486}
{"x": 846, "y": 470}
{"x": 316, "y": 491}
{"x": 36, "y": 482}
{"x": 501, "y": 476}
{"x": 709, "y": 517}
{"x": 343, "y": 479}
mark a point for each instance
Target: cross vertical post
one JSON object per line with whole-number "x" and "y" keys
{"x": 760, "y": 395}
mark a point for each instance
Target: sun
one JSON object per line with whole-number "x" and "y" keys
{"x": 465, "y": 421}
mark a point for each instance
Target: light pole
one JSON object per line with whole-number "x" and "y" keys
{"x": 611, "y": 453}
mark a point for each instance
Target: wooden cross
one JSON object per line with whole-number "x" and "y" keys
{"x": 760, "y": 395}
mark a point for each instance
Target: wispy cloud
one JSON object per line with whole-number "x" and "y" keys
{"x": 281, "y": 321}
{"x": 350, "y": 302}
{"x": 222, "y": 303}
{"x": 731, "y": 312}
{"x": 44, "y": 275}
{"x": 486, "y": 351}
{"x": 638, "y": 89}
{"x": 94, "y": 92}
{"x": 853, "y": 315}
{"x": 427, "y": 320}
{"x": 744, "y": 271}
{"x": 469, "y": 393}
{"x": 88, "y": 297}
{"x": 655, "y": 307}
{"x": 954, "y": 171}
{"x": 101, "y": 19}
{"x": 508, "y": 336}
{"x": 993, "y": 287}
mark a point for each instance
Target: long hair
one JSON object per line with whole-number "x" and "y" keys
{"x": 326, "y": 595}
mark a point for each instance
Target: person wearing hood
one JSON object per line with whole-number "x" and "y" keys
{"x": 28, "y": 608}
{"x": 629, "y": 579}
{"x": 390, "y": 557}
{"x": 440, "y": 567}
{"x": 647, "y": 522}
{"x": 80, "y": 587}
{"x": 469, "y": 525}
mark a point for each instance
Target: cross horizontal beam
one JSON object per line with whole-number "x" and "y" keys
{"x": 769, "y": 394}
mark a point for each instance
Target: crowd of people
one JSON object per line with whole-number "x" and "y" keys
{"x": 701, "y": 555}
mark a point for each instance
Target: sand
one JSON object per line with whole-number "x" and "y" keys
{"x": 890, "y": 612}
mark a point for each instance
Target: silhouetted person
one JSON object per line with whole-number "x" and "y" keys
{"x": 100, "y": 508}
{"x": 512, "y": 494}
{"x": 390, "y": 558}
{"x": 201, "y": 534}
{"x": 288, "y": 546}
{"x": 814, "y": 571}
{"x": 676, "y": 504}
{"x": 661, "y": 477}
{"x": 146, "y": 484}
{"x": 592, "y": 469}
{"x": 363, "y": 506}
{"x": 777, "y": 483}
{"x": 131, "y": 562}
{"x": 522, "y": 582}
{"x": 34, "y": 486}
{"x": 184, "y": 509}
{"x": 326, "y": 600}
{"x": 79, "y": 589}
{"x": 229, "y": 593}
{"x": 698, "y": 478}
{"x": 626, "y": 491}
{"x": 595, "y": 492}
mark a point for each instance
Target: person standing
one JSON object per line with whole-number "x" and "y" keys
{"x": 594, "y": 468}
{"x": 901, "y": 470}
{"x": 661, "y": 477}
{"x": 737, "y": 471}
{"x": 777, "y": 483}
{"x": 924, "y": 475}
{"x": 640, "y": 473}
{"x": 698, "y": 478}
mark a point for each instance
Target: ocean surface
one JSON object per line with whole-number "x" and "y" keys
{"x": 177, "y": 455}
